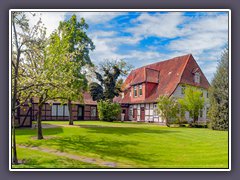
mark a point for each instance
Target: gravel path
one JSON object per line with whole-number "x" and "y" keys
{"x": 99, "y": 162}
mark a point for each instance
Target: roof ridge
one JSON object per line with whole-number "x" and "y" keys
{"x": 145, "y": 66}
{"x": 189, "y": 55}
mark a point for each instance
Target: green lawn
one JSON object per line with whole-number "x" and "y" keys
{"x": 129, "y": 145}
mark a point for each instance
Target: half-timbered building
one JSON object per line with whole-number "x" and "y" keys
{"x": 87, "y": 110}
{"x": 138, "y": 100}
{"x": 144, "y": 85}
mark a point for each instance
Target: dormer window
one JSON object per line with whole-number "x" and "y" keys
{"x": 140, "y": 90}
{"x": 135, "y": 91}
{"x": 197, "y": 77}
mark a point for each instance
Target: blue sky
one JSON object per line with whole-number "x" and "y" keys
{"x": 146, "y": 37}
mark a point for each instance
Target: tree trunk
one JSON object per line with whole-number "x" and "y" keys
{"x": 167, "y": 123}
{"x": 14, "y": 97}
{"x": 14, "y": 148}
{"x": 195, "y": 118}
{"x": 39, "y": 119}
{"x": 70, "y": 112}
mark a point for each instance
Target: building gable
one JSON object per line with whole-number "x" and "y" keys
{"x": 162, "y": 78}
{"x": 190, "y": 71}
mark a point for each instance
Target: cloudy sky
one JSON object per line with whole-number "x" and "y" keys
{"x": 146, "y": 37}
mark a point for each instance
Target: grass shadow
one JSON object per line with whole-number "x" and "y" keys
{"x": 103, "y": 148}
{"x": 50, "y": 131}
{"x": 124, "y": 130}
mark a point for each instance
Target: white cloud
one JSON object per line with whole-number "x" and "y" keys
{"x": 104, "y": 50}
{"x": 98, "y": 17}
{"x": 50, "y": 20}
{"x": 212, "y": 24}
{"x": 160, "y": 25}
{"x": 209, "y": 69}
{"x": 199, "y": 42}
{"x": 204, "y": 37}
{"x": 102, "y": 34}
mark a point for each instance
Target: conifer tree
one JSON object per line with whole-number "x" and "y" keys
{"x": 219, "y": 99}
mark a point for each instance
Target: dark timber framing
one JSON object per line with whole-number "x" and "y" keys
{"x": 26, "y": 113}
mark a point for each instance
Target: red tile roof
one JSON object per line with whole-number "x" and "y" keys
{"x": 87, "y": 99}
{"x": 168, "y": 74}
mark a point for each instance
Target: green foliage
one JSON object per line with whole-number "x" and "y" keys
{"x": 78, "y": 46}
{"x": 109, "y": 84}
{"x": 79, "y": 42}
{"x": 168, "y": 109}
{"x": 108, "y": 111}
{"x": 193, "y": 102}
{"x": 28, "y": 43}
{"x": 219, "y": 100}
{"x": 96, "y": 91}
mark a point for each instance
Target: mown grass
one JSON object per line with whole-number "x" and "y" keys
{"x": 131, "y": 145}
{"x": 37, "y": 159}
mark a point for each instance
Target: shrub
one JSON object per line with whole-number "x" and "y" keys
{"x": 108, "y": 111}
{"x": 198, "y": 125}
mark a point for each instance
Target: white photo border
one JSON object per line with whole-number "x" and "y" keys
{"x": 124, "y": 10}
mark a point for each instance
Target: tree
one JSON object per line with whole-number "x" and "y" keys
{"x": 168, "y": 109}
{"x": 80, "y": 45}
{"x": 219, "y": 100}
{"x": 109, "y": 84}
{"x": 96, "y": 91}
{"x": 22, "y": 35}
{"x": 193, "y": 102}
{"x": 50, "y": 70}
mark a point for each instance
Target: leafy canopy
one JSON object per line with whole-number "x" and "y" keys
{"x": 168, "y": 109}
{"x": 193, "y": 101}
{"x": 79, "y": 45}
{"x": 109, "y": 84}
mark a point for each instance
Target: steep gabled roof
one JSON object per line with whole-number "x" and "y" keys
{"x": 171, "y": 73}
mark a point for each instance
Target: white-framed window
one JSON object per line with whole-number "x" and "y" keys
{"x": 80, "y": 111}
{"x": 54, "y": 110}
{"x": 140, "y": 90}
{"x": 60, "y": 110}
{"x": 135, "y": 91}
{"x": 155, "y": 110}
{"x": 93, "y": 111}
{"x": 147, "y": 106}
{"x": 197, "y": 77}
{"x": 66, "y": 111}
{"x": 130, "y": 111}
